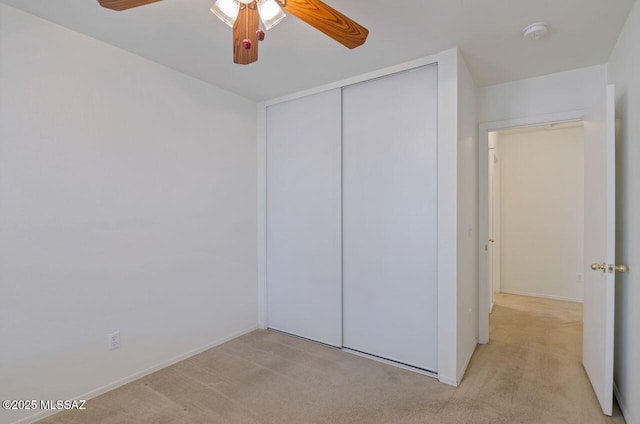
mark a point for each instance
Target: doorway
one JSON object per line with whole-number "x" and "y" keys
{"x": 485, "y": 228}
{"x": 600, "y": 267}
{"x": 536, "y": 211}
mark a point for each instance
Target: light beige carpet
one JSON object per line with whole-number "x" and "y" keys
{"x": 529, "y": 373}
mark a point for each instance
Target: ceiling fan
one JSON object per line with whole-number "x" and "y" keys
{"x": 244, "y": 16}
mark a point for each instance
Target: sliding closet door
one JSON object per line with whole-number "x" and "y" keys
{"x": 304, "y": 254}
{"x": 390, "y": 217}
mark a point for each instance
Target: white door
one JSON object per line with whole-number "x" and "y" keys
{"x": 390, "y": 217}
{"x": 304, "y": 255}
{"x": 599, "y": 290}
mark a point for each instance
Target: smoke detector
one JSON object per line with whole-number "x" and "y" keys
{"x": 535, "y": 31}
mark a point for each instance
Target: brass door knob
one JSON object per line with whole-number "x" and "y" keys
{"x": 621, "y": 268}
{"x": 599, "y": 267}
{"x": 491, "y": 240}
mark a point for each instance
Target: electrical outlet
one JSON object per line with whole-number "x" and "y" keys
{"x": 580, "y": 278}
{"x": 114, "y": 340}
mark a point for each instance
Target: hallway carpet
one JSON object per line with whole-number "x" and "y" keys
{"x": 530, "y": 372}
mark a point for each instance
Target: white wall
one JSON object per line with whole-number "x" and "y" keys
{"x": 542, "y": 211}
{"x": 467, "y": 296}
{"x": 127, "y": 202}
{"x": 624, "y": 72}
{"x": 562, "y": 92}
{"x": 448, "y": 347}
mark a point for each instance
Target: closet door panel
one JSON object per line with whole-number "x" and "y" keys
{"x": 304, "y": 254}
{"x": 390, "y": 217}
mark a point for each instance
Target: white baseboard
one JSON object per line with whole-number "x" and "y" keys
{"x": 623, "y": 406}
{"x": 543, "y": 296}
{"x": 448, "y": 380}
{"x": 491, "y": 308}
{"x": 118, "y": 383}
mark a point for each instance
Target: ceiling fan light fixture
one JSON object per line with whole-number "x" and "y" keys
{"x": 270, "y": 13}
{"x": 226, "y": 10}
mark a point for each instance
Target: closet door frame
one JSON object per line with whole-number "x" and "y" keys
{"x": 447, "y": 63}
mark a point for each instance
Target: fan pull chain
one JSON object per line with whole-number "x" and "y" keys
{"x": 246, "y": 43}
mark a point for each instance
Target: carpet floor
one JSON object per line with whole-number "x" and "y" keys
{"x": 530, "y": 372}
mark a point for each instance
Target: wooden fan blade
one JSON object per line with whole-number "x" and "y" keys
{"x": 329, "y": 21}
{"x": 124, "y": 4}
{"x": 245, "y": 28}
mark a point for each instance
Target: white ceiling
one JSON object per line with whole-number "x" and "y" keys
{"x": 184, "y": 35}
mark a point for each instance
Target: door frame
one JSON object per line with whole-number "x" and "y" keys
{"x": 484, "y": 283}
{"x": 491, "y": 222}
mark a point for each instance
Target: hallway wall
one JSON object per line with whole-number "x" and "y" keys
{"x": 542, "y": 211}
